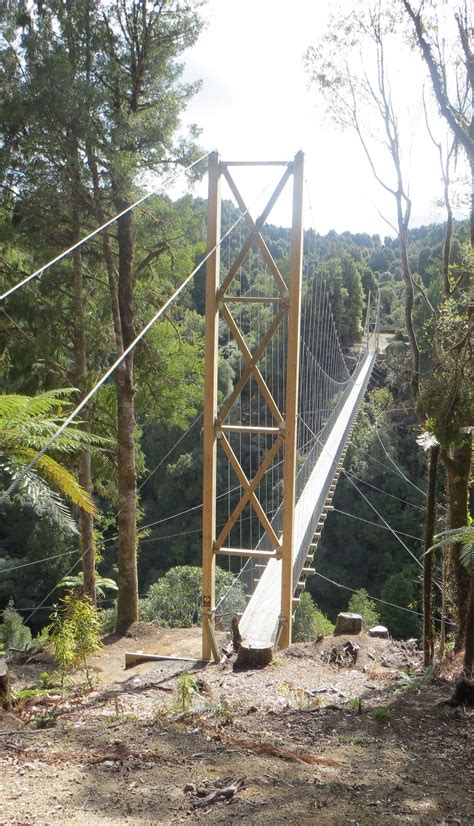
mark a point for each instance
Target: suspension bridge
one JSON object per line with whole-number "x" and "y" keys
{"x": 282, "y": 436}
{"x": 280, "y": 401}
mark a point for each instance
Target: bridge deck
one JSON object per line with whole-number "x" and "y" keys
{"x": 260, "y": 619}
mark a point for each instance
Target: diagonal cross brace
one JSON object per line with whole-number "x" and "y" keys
{"x": 246, "y": 497}
{"x": 250, "y": 368}
{"x": 256, "y": 372}
{"x": 277, "y": 276}
{"x": 247, "y": 486}
{"x": 254, "y": 235}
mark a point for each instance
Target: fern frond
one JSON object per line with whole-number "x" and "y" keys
{"x": 60, "y": 478}
{"x": 35, "y": 434}
{"x": 44, "y": 500}
{"x": 18, "y": 408}
{"x": 464, "y": 536}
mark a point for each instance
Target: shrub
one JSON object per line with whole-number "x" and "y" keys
{"x": 186, "y": 687}
{"x": 323, "y": 624}
{"x": 175, "y": 600}
{"x": 13, "y": 632}
{"x": 74, "y": 633}
{"x": 304, "y": 623}
{"x": 108, "y": 620}
{"x": 309, "y": 621}
{"x": 360, "y": 603}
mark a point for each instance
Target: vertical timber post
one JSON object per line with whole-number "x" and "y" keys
{"x": 291, "y": 405}
{"x": 210, "y": 410}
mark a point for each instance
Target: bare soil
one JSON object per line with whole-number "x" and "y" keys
{"x": 316, "y": 741}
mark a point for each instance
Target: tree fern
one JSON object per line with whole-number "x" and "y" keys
{"x": 26, "y": 424}
{"x": 463, "y": 536}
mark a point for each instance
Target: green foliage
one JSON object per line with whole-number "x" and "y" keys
{"x": 186, "y": 687}
{"x": 447, "y": 395}
{"x": 465, "y": 537}
{"x": 408, "y": 681}
{"x": 13, "y": 632}
{"x": 175, "y": 600}
{"x": 74, "y": 633}
{"x": 304, "y": 623}
{"x": 360, "y": 603}
{"x": 400, "y": 590}
{"x": 108, "y": 620}
{"x": 25, "y": 538}
{"x": 382, "y": 714}
{"x": 46, "y": 720}
{"x": 26, "y": 423}
{"x": 309, "y": 621}
{"x": 323, "y": 624}
{"x": 76, "y": 583}
{"x": 44, "y": 679}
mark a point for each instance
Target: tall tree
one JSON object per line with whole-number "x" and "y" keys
{"x": 353, "y": 91}
{"x": 452, "y": 79}
{"x": 134, "y": 47}
{"x": 117, "y": 97}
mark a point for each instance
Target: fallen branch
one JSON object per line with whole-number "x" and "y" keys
{"x": 220, "y": 794}
{"x": 268, "y": 748}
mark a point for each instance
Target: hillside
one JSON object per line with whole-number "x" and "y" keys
{"x": 366, "y": 742}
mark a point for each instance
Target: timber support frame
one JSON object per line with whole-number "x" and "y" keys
{"x": 216, "y": 427}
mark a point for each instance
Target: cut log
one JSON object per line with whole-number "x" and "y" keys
{"x": 253, "y": 654}
{"x": 5, "y": 684}
{"x": 348, "y": 624}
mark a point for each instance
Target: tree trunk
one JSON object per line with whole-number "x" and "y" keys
{"x": 127, "y": 603}
{"x": 458, "y": 466}
{"x": 472, "y": 191}
{"x": 409, "y": 299}
{"x": 430, "y": 521}
{"x": 254, "y": 654}
{"x": 5, "y": 685}
{"x": 86, "y": 522}
{"x": 469, "y": 642}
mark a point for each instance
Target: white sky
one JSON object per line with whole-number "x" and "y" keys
{"x": 255, "y": 105}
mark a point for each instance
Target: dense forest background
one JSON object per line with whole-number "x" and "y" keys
{"x": 354, "y": 551}
{"x": 92, "y": 118}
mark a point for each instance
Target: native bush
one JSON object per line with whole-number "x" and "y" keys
{"x": 304, "y": 623}
{"x": 360, "y": 603}
{"x": 309, "y": 621}
{"x": 323, "y": 624}
{"x": 74, "y": 633}
{"x": 175, "y": 600}
{"x": 13, "y": 632}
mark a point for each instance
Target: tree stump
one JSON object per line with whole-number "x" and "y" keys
{"x": 348, "y": 624}
{"x": 5, "y": 684}
{"x": 253, "y": 654}
{"x": 236, "y": 635}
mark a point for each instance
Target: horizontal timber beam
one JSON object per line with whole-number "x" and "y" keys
{"x": 245, "y": 552}
{"x": 249, "y": 428}
{"x": 253, "y": 299}
{"x": 255, "y": 163}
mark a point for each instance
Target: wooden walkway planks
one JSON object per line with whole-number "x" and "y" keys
{"x": 260, "y": 619}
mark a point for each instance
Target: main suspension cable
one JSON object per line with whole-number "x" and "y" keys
{"x": 92, "y": 234}
{"x": 114, "y": 366}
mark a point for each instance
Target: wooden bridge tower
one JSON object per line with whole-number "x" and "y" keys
{"x": 284, "y": 427}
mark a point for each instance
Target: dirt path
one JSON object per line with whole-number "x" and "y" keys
{"x": 317, "y": 742}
